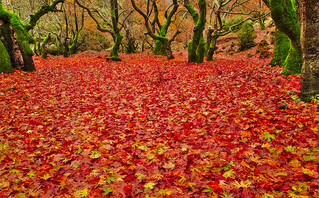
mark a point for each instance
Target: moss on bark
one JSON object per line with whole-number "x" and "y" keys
{"x": 23, "y": 37}
{"x": 285, "y": 17}
{"x": 44, "y": 53}
{"x": 282, "y": 46}
{"x": 160, "y": 48}
{"x": 115, "y": 48}
{"x": 74, "y": 45}
{"x": 5, "y": 62}
{"x": 196, "y": 46}
{"x": 34, "y": 18}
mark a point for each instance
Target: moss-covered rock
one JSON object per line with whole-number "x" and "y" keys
{"x": 5, "y": 62}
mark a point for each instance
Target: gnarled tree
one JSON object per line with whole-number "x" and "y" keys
{"x": 162, "y": 43}
{"x": 15, "y": 38}
{"x": 112, "y": 28}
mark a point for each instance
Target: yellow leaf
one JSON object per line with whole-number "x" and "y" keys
{"x": 149, "y": 185}
{"x": 46, "y": 176}
{"x": 165, "y": 192}
{"x": 242, "y": 184}
{"x": 169, "y": 165}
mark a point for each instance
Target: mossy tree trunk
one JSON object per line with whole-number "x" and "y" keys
{"x": 162, "y": 48}
{"x": 284, "y": 14}
{"x": 11, "y": 46}
{"x": 5, "y": 62}
{"x": 211, "y": 45}
{"x": 15, "y": 36}
{"x": 117, "y": 32}
{"x": 309, "y": 20}
{"x": 44, "y": 46}
{"x": 162, "y": 43}
{"x": 130, "y": 47}
{"x": 196, "y": 46}
{"x": 75, "y": 44}
{"x": 113, "y": 27}
{"x": 282, "y": 46}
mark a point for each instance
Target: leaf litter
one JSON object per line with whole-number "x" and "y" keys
{"x": 151, "y": 127}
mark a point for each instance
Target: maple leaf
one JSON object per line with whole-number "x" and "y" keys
{"x": 169, "y": 165}
{"x": 311, "y": 173}
{"x": 83, "y": 193}
{"x": 107, "y": 190}
{"x": 165, "y": 192}
{"x": 21, "y": 195}
{"x": 290, "y": 148}
{"x": 95, "y": 154}
{"x": 210, "y": 191}
{"x": 46, "y": 176}
{"x": 35, "y": 193}
{"x": 111, "y": 179}
{"x": 149, "y": 185}
{"x": 242, "y": 184}
{"x": 268, "y": 137}
{"x": 228, "y": 173}
{"x": 226, "y": 195}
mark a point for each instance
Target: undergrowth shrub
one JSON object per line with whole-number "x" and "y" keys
{"x": 233, "y": 21}
{"x": 246, "y": 36}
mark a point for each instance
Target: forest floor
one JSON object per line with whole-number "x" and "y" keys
{"x": 150, "y": 127}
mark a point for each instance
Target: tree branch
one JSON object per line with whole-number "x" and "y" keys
{"x": 43, "y": 10}
{"x": 95, "y": 20}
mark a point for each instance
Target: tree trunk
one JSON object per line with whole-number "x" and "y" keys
{"x": 117, "y": 32}
{"x": 45, "y": 46}
{"x": 160, "y": 47}
{"x": 11, "y": 46}
{"x": 15, "y": 36}
{"x": 282, "y": 46}
{"x": 130, "y": 48}
{"x": 196, "y": 46}
{"x": 213, "y": 46}
{"x": 5, "y": 62}
{"x": 28, "y": 64}
{"x": 284, "y": 14}
{"x": 116, "y": 47}
{"x": 309, "y": 20}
